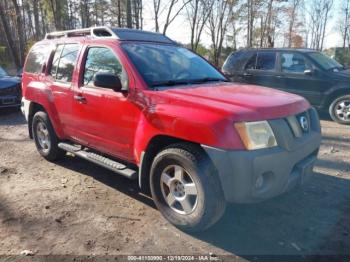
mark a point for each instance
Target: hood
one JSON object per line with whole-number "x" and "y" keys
{"x": 8, "y": 81}
{"x": 343, "y": 75}
{"x": 242, "y": 102}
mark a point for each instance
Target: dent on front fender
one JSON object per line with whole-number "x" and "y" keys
{"x": 191, "y": 125}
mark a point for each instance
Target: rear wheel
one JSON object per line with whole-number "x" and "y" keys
{"x": 186, "y": 188}
{"x": 45, "y": 138}
{"x": 339, "y": 110}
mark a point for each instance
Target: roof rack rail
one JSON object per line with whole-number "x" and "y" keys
{"x": 101, "y": 31}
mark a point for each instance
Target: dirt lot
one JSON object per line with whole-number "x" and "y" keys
{"x": 74, "y": 207}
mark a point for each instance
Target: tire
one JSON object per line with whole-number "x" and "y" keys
{"x": 339, "y": 110}
{"x": 188, "y": 212}
{"x": 45, "y": 138}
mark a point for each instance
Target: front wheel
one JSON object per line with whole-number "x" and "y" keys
{"x": 339, "y": 110}
{"x": 186, "y": 188}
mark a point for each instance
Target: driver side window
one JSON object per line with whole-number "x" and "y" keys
{"x": 103, "y": 60}
{"x": 294, "y": 63}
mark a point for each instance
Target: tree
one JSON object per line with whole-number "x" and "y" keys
{"x": 319, "y": 16}
{"x": 7, "y": 30}
{"x": 20, "y": 33}
{"x": 128, "y": 14}
{"x": 35, "y": 4}
{"x": 344, "y": 22}
{"x": 292, "y": 14}
{"x": 57, "y": 12}
{"x": 217, "y": 23}
{"x": 172, "y": 10}
{"x": 198, "y": 12}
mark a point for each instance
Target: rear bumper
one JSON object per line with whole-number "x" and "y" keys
{"x": 25, "y": 104}
{"x": 254, "y": 176}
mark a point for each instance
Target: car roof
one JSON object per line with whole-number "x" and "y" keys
{"x": 302, "y": 50}
{"x": 107, "y": 33}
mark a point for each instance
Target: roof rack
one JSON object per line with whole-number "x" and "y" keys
{"x": 123, "y": 34}
{"x": 102, "y": 31}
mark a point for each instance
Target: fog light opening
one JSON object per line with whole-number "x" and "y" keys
{"x": 259, "y": 182}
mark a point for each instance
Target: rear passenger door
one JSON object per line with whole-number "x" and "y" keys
{"x": 261, "y": 69}
{"x": 60, "y": 79}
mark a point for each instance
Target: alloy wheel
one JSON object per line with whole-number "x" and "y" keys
{"x": 342, "y": 110}
{"x": 43, "y": 136}
{"x": 179, "y": 189}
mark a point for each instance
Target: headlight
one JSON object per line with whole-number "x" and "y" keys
{"x": 256, "y": 135}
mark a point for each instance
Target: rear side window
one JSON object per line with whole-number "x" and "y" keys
{"x": 266, "y": 61}
{"x": 231, "y": 61}
{"x": 237, "y": 60}
{"x": 63, "y": 62}
{"x": 251, "y": 64}
{"x": 36, "y": 59}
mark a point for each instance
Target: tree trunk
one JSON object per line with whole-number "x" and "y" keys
{"x": 128, "y": 14}
{"x": 36, "y": 19}
{"x": 119, "y": 14}
{"x": 9, "y": 40}
{"x": 20, "y": 33}
{"x": 156, "y": 6}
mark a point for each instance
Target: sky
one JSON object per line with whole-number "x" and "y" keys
{"x": 180, "y": 30}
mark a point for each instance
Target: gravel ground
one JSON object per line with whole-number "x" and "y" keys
{"x": 77, "y": 208}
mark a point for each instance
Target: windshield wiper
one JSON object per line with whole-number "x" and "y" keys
{"x": 171, "y": 83}
{"x": 187, "y": 81}
{"x": 209, "y": 79}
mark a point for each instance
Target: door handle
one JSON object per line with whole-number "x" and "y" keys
{"x": 247, "y": 74}
{"x": 80, "y": 99}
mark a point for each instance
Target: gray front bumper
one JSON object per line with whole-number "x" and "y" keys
{"x": 281, "y": 167}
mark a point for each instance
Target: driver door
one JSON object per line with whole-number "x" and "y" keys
{"x": 105, "y": 119}
{"x": 300, "y": 77}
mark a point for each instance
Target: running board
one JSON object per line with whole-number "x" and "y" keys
{"x": 110, "y": 164}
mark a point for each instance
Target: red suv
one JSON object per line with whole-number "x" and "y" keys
{"x": 147, "y": 108}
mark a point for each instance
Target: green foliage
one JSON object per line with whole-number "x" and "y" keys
{"x": 56, "y": 12}
{"x": 342, "y": 55}
{"x": 4, "y": 61}
{"x": 30, "y": 43}
{"x": 202, "y": 50}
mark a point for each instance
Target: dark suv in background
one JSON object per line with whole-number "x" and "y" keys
{"x": 311, "y": 74}
{"x": 10, "y": 90}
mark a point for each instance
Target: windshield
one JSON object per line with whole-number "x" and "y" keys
{"x": 167, "y": 65}
{"x": 3, "y": 72}
{"x": 326, "y": 62}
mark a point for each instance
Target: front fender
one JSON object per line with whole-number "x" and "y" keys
{"x": 193, "y": 125}
{"x": 334, "y": 92}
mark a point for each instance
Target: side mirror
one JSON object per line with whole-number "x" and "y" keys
{"x": 19, "y": 73}
{"x": 108, "y": 80}
{"x": 308, "y": 72}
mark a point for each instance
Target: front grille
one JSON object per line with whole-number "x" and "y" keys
{"x": 288, "y": 131}
{"x": 299, "y": 124}
{"x": 9, "y": 91}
